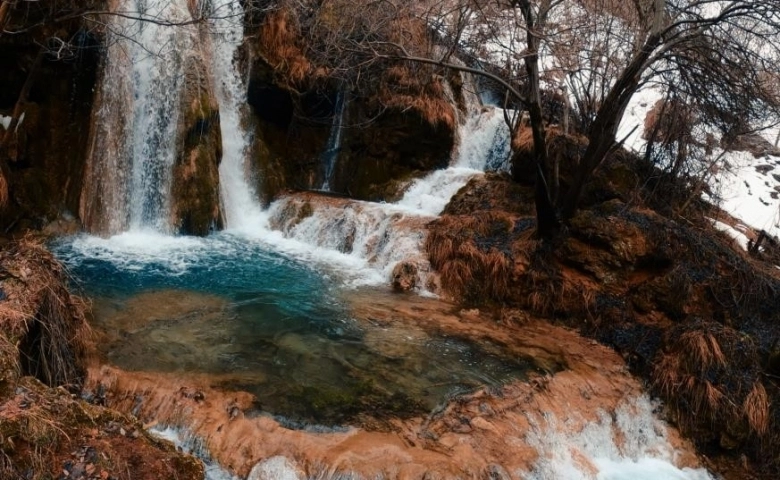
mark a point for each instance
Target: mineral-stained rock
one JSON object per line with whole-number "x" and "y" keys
{"x": 405, "y": 276}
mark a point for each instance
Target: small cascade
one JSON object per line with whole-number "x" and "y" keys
{"x": 240, "y": 202}
{"x": 193, "y": 445}
{"x": 484, "y": 146}
{"x": 331, "y": 153}
{"x": 128, "y": 177}
{"x": 627, "y": 444}
{"x": 376, "y": 237}
{"x": 379, "y": 236}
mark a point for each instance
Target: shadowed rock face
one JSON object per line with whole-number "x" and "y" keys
{"x": 386, "y": 142}
{"x": 195, "y": 188}
{"x": 47, "y": 151}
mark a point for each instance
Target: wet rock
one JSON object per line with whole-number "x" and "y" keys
{"x": 195, "y": 188}
{"x": 405, "y": 276}
{"x": 276, "y": 468}
{"x": 65, "y": 225}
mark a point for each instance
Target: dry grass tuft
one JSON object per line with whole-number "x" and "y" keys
{"x": 703, "y": 348}
{"x": 417, "y": 87}
{"x": 756, "y": 409}
{"x": 709, "y": 373}
{"x": 472, "y": 256}
{"x": 279, "y": 40}
{"x": 46, "y": 323}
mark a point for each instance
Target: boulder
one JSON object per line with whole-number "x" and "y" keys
{"x": 405, "y": 276}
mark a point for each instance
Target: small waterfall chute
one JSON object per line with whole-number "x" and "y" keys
{"x": 240, "y": 201}
{"x": 484, "y": 145}
{"x": 382, "y": 235}
{"x": 333, "y": 147}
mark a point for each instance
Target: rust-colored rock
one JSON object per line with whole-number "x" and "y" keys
{"x": 405, "y": 277}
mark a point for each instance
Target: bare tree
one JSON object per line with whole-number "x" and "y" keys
{"x": 718, "y": 54}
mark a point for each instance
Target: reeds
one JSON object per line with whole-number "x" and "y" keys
{"x": 468, "y": 253}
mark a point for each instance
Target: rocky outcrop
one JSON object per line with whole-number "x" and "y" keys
{"x": 45, "y": 152}
{"x": 399, "y": 128}
{"x": 195, "y": 183}
{"x": 693, "y": 315}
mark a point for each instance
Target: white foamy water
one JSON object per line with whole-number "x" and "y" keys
{"x": 374, "y": 236}
{"x": 177, "y": 255}
{"x": 484, "y": 145}
{"x": 135, "y": 137}
{"x": 630, "y": 444}
{"x": 194, "y": 446}
{"x": 240, "y": 203}
{"x": 380, "y": 235}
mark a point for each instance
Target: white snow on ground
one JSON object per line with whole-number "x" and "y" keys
{"x": 748, "y": 194}
{"x": 5, "y": 121}
{"x": 739, "y": 189}
{"x": 734, "y": 233}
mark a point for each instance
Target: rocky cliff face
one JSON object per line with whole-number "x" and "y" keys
{"x": 396, "y": 128}
{"x": 195, "y": 187}
{"x": 45, "y": 154}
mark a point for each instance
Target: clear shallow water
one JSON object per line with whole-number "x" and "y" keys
{"x": 258, "y": 320}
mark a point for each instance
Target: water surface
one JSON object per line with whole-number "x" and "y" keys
{"x": 259, "y": 320}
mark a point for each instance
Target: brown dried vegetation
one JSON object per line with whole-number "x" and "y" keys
{"x": 279, "y": 38}
{"x": 44, "y": 339}
{"x": 699, "y": 319}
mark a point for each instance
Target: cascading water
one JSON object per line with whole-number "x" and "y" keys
{"x": 240, "y": 203}
{"x": 331, "y": 153}
{"x": 629, "y": 444}
{"x": 378, "y": 236}
{"x": 134, "y": 138}
{"x": 484, "y": 146}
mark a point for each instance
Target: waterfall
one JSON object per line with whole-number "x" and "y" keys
{"x": 240, "y": 202}
{"x": 134, "y": 135}
{"x": 331, "y": 153}
{"x": 189, "y": 443}
{"x": 378, "y": 236}
{"x": 484, "y": 145}
{"x": 627, "y": 444}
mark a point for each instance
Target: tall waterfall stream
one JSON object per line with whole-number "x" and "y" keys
{"x": 267, "y": 306}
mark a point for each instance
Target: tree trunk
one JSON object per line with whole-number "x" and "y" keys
{"x": 547, "y": 223}
{"x": 604, "y": 129}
